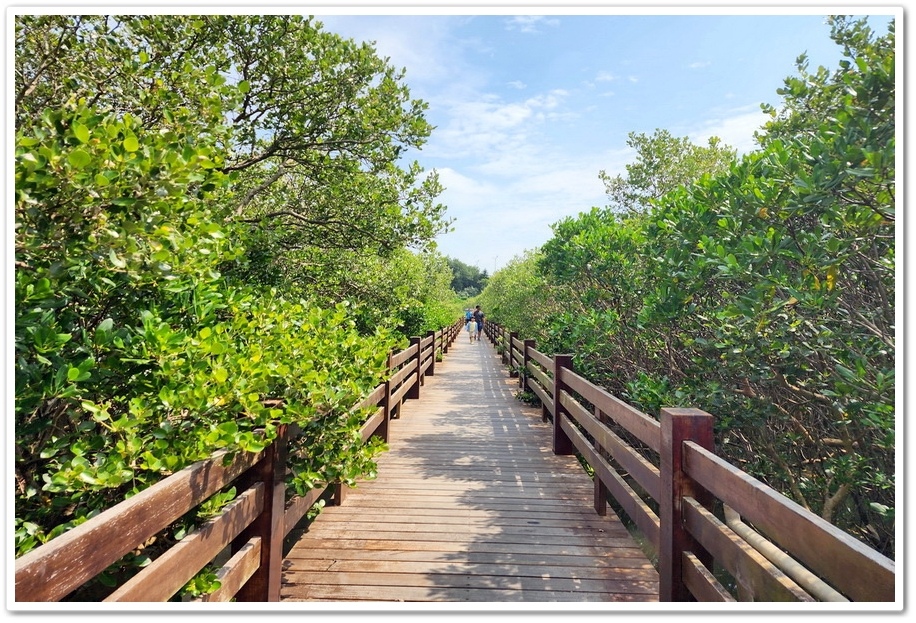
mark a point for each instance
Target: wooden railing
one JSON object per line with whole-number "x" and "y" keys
{"x": 246, "y": 537}
{"x": 718, "y": 533}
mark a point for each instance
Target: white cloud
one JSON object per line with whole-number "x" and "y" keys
{"x": 508, "y": 208}
{"x": 486, "y": 127}
{"x": 423, "y": 44}
{"x": 736, "y": 128}
{"x": 548, "y": 100}
{"x": 530, "y": 23}
{"x": 515, "y": 155}
{"x": 699, "y": 65}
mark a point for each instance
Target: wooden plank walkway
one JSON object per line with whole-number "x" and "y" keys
{"x": 470, "y": 505}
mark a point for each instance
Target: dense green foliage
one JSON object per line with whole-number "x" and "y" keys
{"x": 467, "y": 280}
{"x": 215, "y": 234}
{"x": 516, "y": 295}
{"x": 663, "y": 163}
{"x": 763, "y": 293}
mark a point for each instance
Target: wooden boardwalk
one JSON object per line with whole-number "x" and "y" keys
{"x": 470, "y": 505}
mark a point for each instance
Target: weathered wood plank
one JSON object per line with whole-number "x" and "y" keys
{"x": 167, "y": 574}
{"x": 470, "y": 504}
{"x": 821, "y": 546}
{"x": 311, "y": 560}
{"x": 492, "y": 535}
{"x": 512, "y": 569}
{"x": 365, "y": 521}
{"x": 337, "y": 593}
{"x": 49, "y": 574}
{"x": 467, "y": 580}
{"x": 237, "y": 570}
{"x": 589, "y": 553}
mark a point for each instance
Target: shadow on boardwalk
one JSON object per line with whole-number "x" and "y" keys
{"x": 470, "y": 505}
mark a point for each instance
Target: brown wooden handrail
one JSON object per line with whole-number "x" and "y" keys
{"x": 249, "y": 531}
{"x": 664, "y": 475}
{"x": 52, "y": 571}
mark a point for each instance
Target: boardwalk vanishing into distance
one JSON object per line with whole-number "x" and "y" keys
{"x": 470, "y": 505}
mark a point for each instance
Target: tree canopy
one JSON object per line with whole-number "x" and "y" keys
{"x": 762, "y": 292}
{"x": 217, "y": 231}
{"x": 663, "y": 164}
{"x": 467, "y": 280}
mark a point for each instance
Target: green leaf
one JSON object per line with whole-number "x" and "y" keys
{"x": 131, "y": 143}
{"x": 81, "y": 132}
{"x": 79, "y": 158}
{"x": 117, "y": 261}
{"x": 220, "y": 375}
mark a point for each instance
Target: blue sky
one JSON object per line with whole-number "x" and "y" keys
{"x": 530, "y": 103}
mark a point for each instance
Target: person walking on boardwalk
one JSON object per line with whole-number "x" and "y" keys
{"x": 478, "y": 319}
{"x": 470, "y": 325}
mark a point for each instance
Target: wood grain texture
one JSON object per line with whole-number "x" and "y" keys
{"x": 470, "y": 505}
{"x": 49, "y": 573}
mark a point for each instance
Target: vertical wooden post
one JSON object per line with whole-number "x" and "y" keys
{"x": 545, "y": 411}
{"x": 431, "y": 370}
{"x": 601, "y": 491}
{"x": 264, "y": 584}
{"x": 523, "y": 377}
{"x": 678, "y": 426}
{"x": 414, "y": 392}
{"x": 339, "y": 494}
{"x": 512, "y": 371}
{"x": 561, "y": 442}
{"x": 384, "y": 429}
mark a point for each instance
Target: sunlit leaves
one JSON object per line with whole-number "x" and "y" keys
{"x": 145, "y": 335}
{"x": 764, "y": 295}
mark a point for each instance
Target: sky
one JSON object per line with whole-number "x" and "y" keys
{"x": 530, "y": 104}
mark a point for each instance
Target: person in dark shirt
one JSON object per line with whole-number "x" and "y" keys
{"x": 478, "y": 318}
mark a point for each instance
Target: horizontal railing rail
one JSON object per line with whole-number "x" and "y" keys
{"x": 718, "y": 534}
{"x": 244, "y": 542}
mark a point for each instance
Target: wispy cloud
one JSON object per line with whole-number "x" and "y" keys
{"x": 498, "y": 220}
{"x": 425, "y": 45}
{"x": 485, "y": 126}
{"x": 530, "y": 23}
{"x": 602, "y": 76}
{"x": 734, "y": 127}
{"x": 515, "y": 152}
